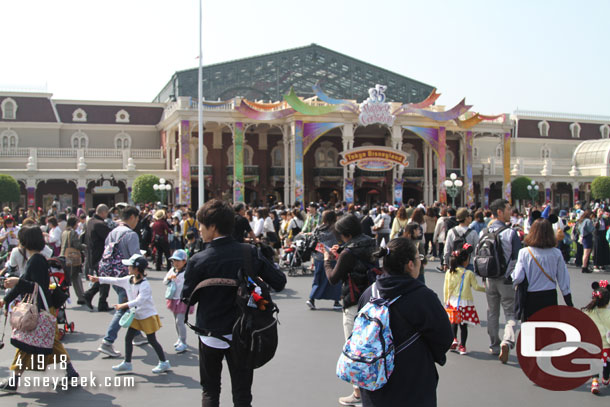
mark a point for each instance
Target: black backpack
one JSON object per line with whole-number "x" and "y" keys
{"x": 460, "y": 239}
{"x": 255, "y": 335}
{"x": 488, "y": 256}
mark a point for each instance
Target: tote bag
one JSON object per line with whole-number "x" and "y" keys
{"x": 40, "y": 340}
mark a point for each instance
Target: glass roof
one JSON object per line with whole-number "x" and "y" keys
{"x": 593, "y": 152}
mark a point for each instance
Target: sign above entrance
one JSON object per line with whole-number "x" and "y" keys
{"x": 370, "y": 158}
{"x": 106, "y": 188}
{"x": 375, "y": 110}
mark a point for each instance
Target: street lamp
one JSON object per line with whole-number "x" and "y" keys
{"x": 453, "y": 186}
{"x": 161, "y": 189}
{"x": 533, "y": 189}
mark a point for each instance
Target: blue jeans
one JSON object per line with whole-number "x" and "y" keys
{"x": 113, "y": 328}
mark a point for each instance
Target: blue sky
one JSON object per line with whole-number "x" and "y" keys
{"x": 535, "y": 55}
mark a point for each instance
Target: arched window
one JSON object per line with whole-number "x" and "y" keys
{"x": 604, "y": 130}
{"x": 575, "y": 130}
{"x": 122, "y": 141}
{"x": 9, "y": 109}
{"x": 79, "y": 115}
{"x": 122, "y": 116}
{"x": 9, "y": 140}
{"x": 545, "y": 152}
{"x": 326, "y": 155}
{"x": 277, "y": 155}
{"x": 449, "y": 159}
{"x": 543, "y": 128}
{"x": 412, "y": 155}
{"x": 499, "y": 151}
{"x": 194, "y": 152}
{"x": 79, "y": 140}
{"x": 248, "y": 154}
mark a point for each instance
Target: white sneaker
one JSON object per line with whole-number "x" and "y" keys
{"x": 181, "y": 348}
{"x": 162, "y": 367}
{"x": 108, "y": 349}
{"x": 350, "y": 400}
{"x": 123, "y": 367}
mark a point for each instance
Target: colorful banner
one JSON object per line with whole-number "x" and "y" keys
{"x": 507, "y": 191}
{"x": 547, "y": 194}
{"x": 238, "y": 163}
{"x": 265, "y": 106}
{"x": 370, "y": 158}
{"x": 428, "y": 101}
{"x": 347, "y": 105}
{"x": 250, "y": 113}
{"x": 470, "y": 122}
{"x": 313, "y": 131}
{"x": 164, "y": 142}
{"x": 129, "y": 200}
{"x": 81, "y": 196}
{"x": 31, "y": 196}
{"x": 215, "y": 104}
{"x": 185, "y": 162}
{"x": 452, "y": 114}
{"x": 490, "y": 118}
{"x": 442, "y": 172}
{"x": 349, "y": 191}
{"x": 469, "y": 184}
{"x": 576, "y": 195}
{"x": 297, "y": 104}
{"x": 398, "y": 192}
{"x": 299, "y": 183}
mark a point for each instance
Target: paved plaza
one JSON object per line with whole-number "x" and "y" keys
{"x": 303, "y": 371}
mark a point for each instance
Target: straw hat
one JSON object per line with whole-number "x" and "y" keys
{"x": 160, "y": 214}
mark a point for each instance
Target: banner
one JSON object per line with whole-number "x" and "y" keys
{"x": 370, "y": 158}
{"x": 313, "y": 131}
{"x": 299, "y": 183}
{"x": 469, "y": 141}
{"x": 250, "y": 113}
{"x": 349, "y": 191}
{"x": 297, "y": 104}
{"x": 238, "y": 163}
{"x": 81, "y": 196}
{"x": 428, "y": 101}
{"x": 398, "y": 192}
{"x": 452, "y": 114}
{"x": 185, "y": 162}
{"x": 265, "y": 106}
{"x": 347, "y": 105}
{"x": 442, "y": 157}
{"x": 31, "y": 196}
{"x": 507, "y": 191}
{"x": 470, "y": 122}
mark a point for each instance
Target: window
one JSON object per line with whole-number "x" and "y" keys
{"x": 122, "y": 116}
{"x": 575, "y": 130}
{"x": 499, "y": 151}
{"x": 248, "y": 154}
{"x": 412, "y": 155}
{"x": 10, "y": 140}
{"x": 449, "y": 159}
{"x": 79, "y": 115}
{"x": 122, "y": 141}
{"x": 604, "y": 129}
{"x": 277, "y": 155}
{"x": 194, "y": 153}
{"x": 9, "y": 109}
{"x": 545, "y": 152}
{"x": 79, "y": 140}
{"x": 543, "y": 127}
{"x": 326, "y": 155}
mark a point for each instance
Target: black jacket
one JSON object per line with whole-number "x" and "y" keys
{"x": 96, "y": 233}
{"x": 36, "y": 271}
{"x": 414, "y": 380}
{"x": 223, "y": 258}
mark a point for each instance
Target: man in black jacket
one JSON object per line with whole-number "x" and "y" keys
{"x": 95, "y": 236}
{"x": 217, "y": 311}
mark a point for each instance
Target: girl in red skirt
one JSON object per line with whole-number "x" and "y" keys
{"x": 458, "y": 298}
{"x": 598, "y": 312}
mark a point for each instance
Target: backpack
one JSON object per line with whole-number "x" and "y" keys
{"x": 367, "y": 359}
{"x": 111, "y": 264}
{"x": 488, "y": 258}
{"x": 191, "y": 228}
{"x": 255, "y": 337}
{"x": 460, "y": 239}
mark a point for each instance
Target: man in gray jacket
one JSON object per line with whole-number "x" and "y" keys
{"x": 460, "y": 232}
{"x": 499, "y": 290}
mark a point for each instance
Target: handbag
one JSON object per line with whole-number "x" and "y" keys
{"x": 170, "y": 290}
{"x": 39, "y": 340}
{"x": 73, "y": 255}
{"x": 127, "y": 318}
{"x": 454, "y": 312}
{"x": 24, "y": 316}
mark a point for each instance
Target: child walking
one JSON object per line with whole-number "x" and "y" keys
{"x": 597, "y": 311}
{"x": 175, "y": 277}
{"x": 459, "y": 301}
{"x": 146, "y": 319}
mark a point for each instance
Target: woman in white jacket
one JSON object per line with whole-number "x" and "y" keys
{"x": 146, "y": 319}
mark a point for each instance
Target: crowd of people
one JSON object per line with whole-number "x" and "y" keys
{"x": 522, "y": 258}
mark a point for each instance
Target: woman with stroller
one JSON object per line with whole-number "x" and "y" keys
{"x": 321, "y": 289}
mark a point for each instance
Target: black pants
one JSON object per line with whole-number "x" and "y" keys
{"x": 103, "y": 289}
{"x": 152, "y": 339}
{"x": 210, "y": 368}
{"x": 537, "y": 300}
{"x": 441, "y": 250}
{"x": 428, "y": 237}
{"x": 463, "y": 332}
{"x": 162, "y": 247}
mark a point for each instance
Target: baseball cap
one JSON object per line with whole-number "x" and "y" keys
{"x": 137, "y": 260}
{"x": 179, "y": 255}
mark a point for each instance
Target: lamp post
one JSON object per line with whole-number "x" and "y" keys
{"x": 453, "y": 186}
{"x": 533, "y": 189}
{"x": 161, "y": 189}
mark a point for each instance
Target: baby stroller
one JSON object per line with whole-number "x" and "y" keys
{"x": 58, "y": 281}
{"x": 294, "y": 258}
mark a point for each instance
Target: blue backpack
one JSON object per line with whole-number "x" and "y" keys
{"x": 367, "y": 360}
{"x": 111, "y": 264}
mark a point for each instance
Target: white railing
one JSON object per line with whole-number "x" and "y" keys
{"x": 148, "y": 154}
{"x": 15, "y": 152}
{"x": 56, "y": 153}
{"x": 560, "y": 115}
{"x": 103, "y": 153}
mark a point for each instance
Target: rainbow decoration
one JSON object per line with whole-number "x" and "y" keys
{"x": 451, "y": 114}
{"x": 313, "y": 131}
{"x": 297, "y": 104}
{"x": 347, "y": 105}
{"x": 468, "y": 181}
{"x": 250, "y": 113}
{"x": 427, "y": 102}
{"x": 507, "y": 189}
{"x": 238, "y": 163}
{"x": 470, "y": 122}
{"x": 265, "y": 106}
{"x": 349, "y": 191}
{"x": 217, "y": 103}
{"x": 185, "y": 162}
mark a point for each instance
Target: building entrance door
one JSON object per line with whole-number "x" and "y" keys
{"x": 106, "y": 199}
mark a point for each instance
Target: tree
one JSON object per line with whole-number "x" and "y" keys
{"x": 9, "y": 189}
{"x": 142, "y": 190}
{"x": 600, "y": 188}
{"x": 519, "y": 190}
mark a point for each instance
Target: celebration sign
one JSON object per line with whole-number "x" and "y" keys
{"x": 375, "y": 110}
{"x": 369, "y": 158}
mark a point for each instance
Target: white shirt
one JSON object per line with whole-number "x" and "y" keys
{"x": 12, "y": 239}
{"x": 17, "y": 260}
{"x": 55, "y": 236}
{"x": 268, "y": 225}
{"x": 139, "y": 296}
{"x": 179, "y": 281}
{"x": 258, "y": 227}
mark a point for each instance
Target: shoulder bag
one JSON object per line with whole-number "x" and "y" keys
{"x": 72, "y": 254}
{"x": 24, "y": 315}
{"x": 40, "y": 339}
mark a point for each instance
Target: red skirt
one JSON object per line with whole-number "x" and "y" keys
{"x": 178, "y": 307}
{"x": 468, "y": 315}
